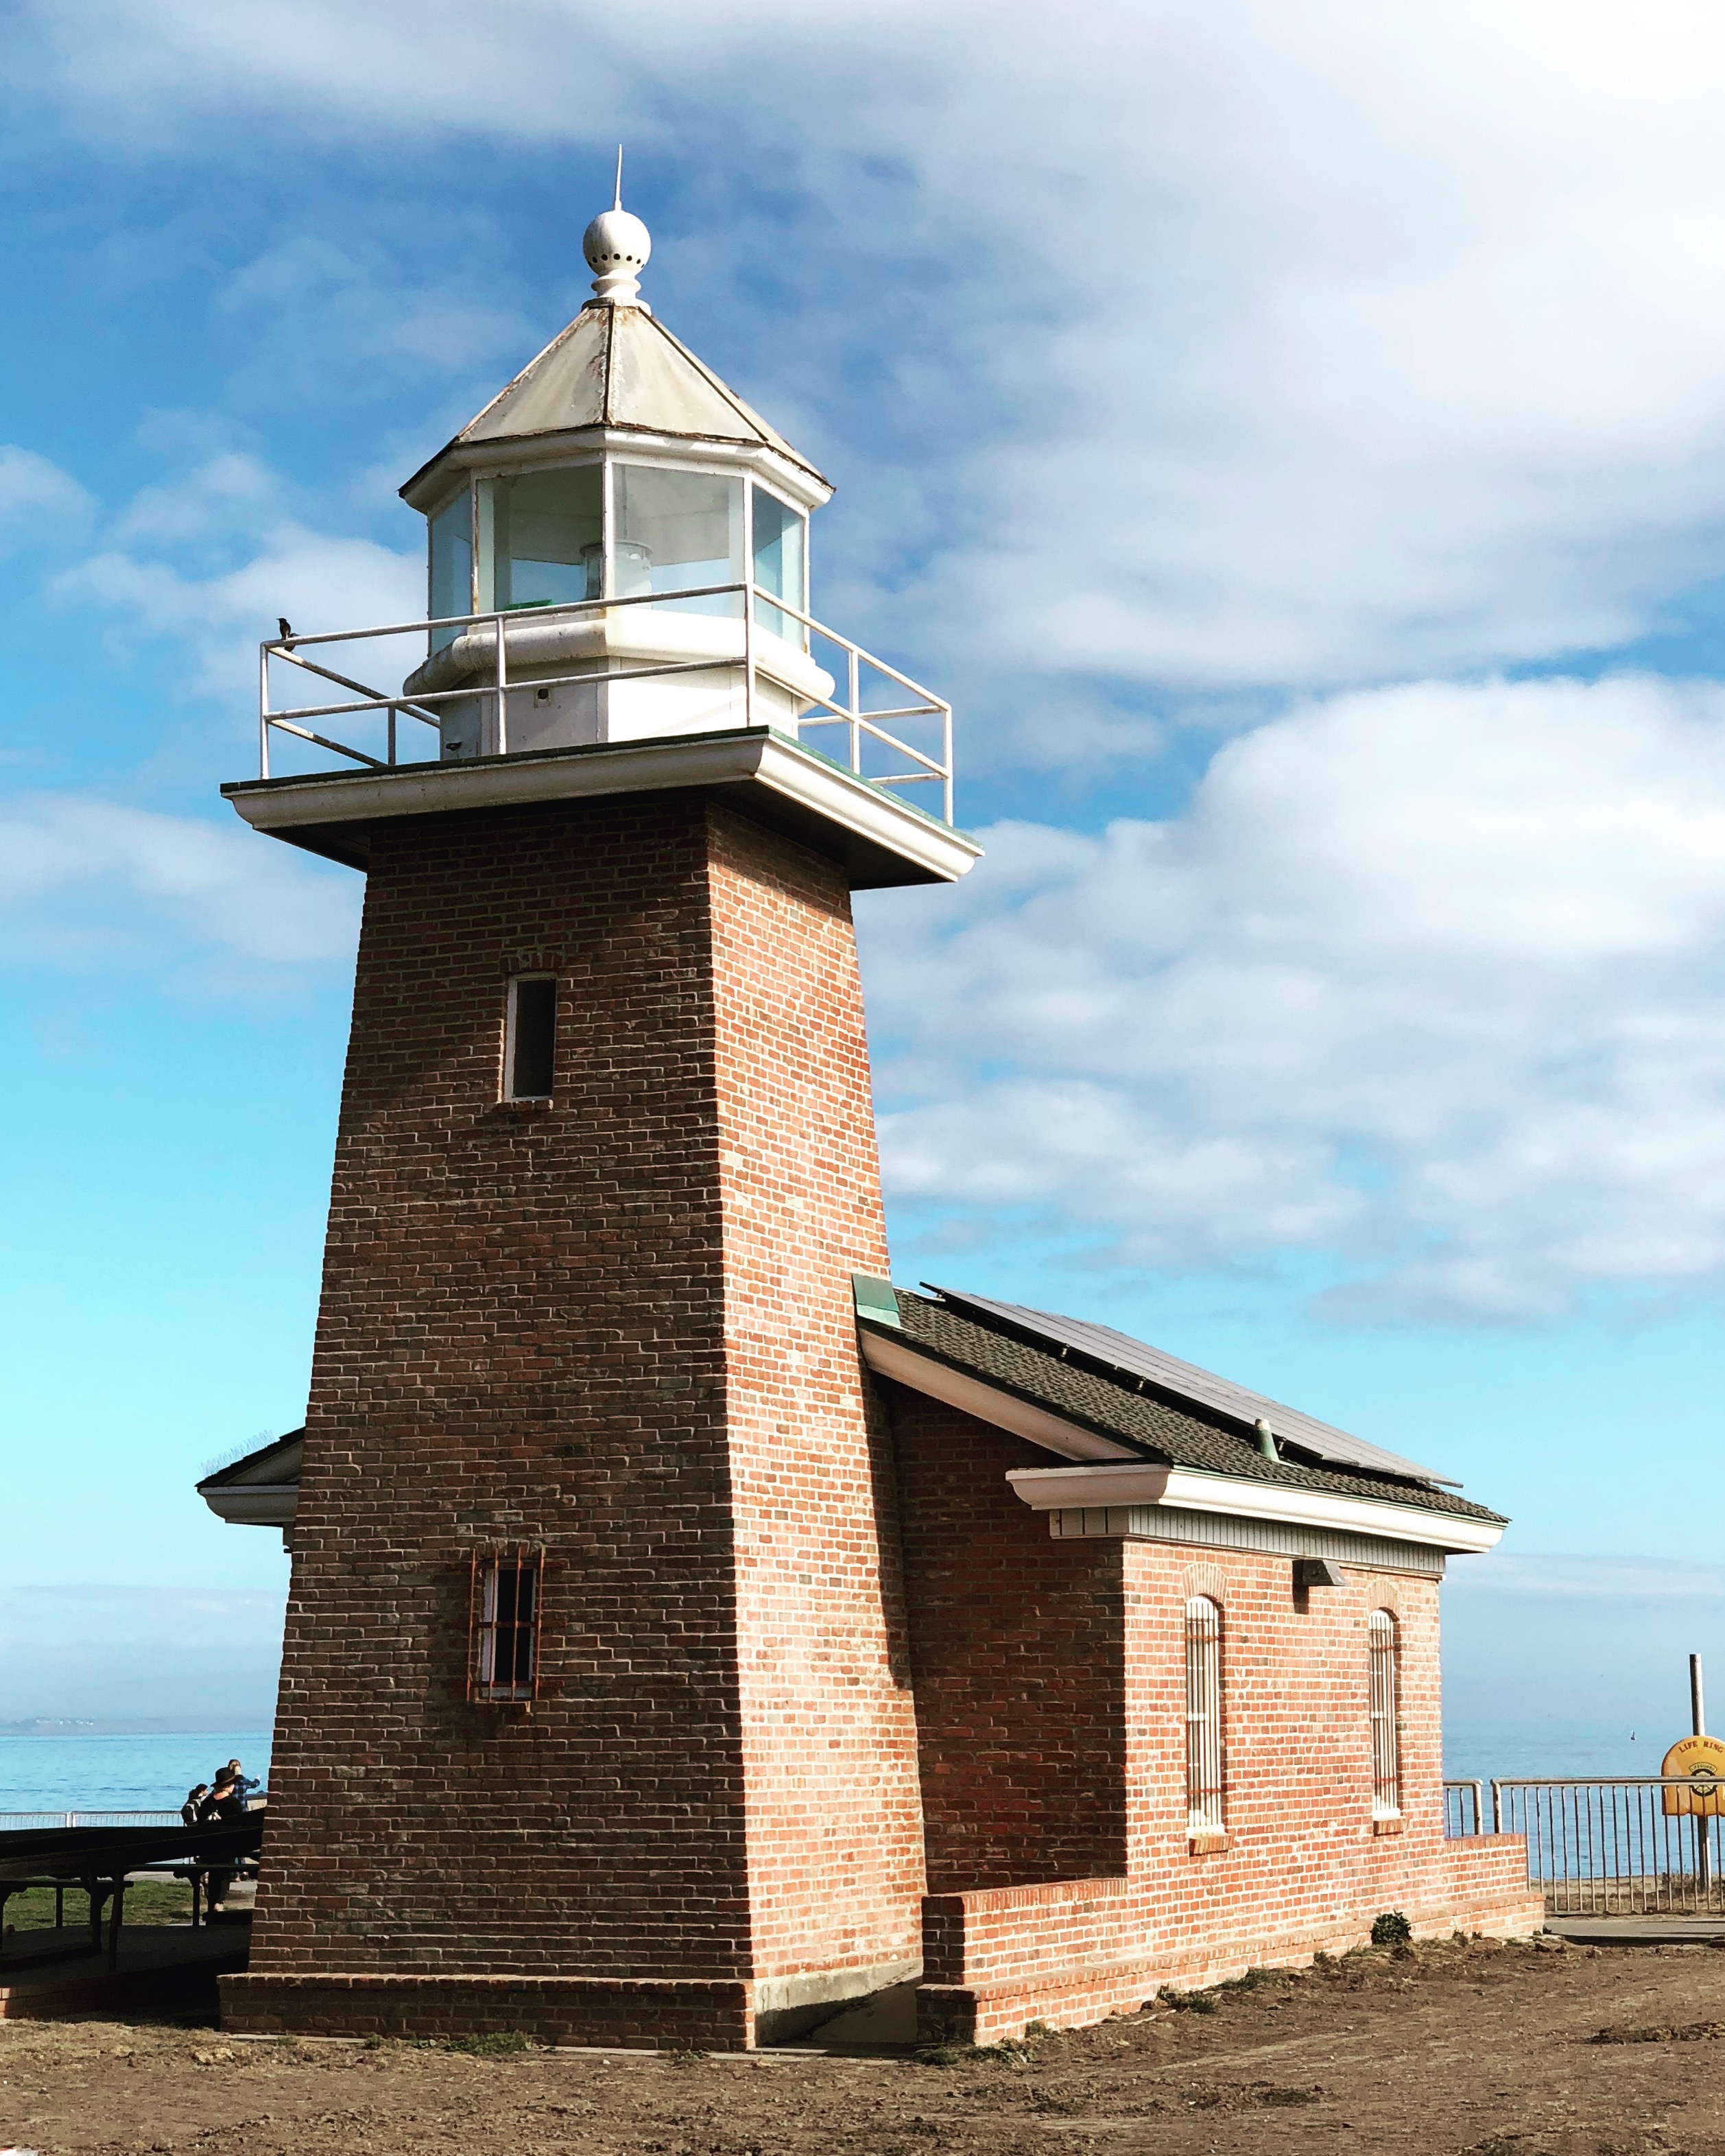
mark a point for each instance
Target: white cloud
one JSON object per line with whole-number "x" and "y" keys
{"x": 225, "y": 497}
{"x": 88, "y": 883}
{"x": 1428, "y": 982}
{"x": 212, "y": 559}
{"x": 1588, "y": 1578}
{"x": 1241, "y": 344}
{"x": 341, "y": 313}
{"x": 39, "y": 504}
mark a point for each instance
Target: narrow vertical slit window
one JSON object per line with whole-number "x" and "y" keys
{"x": 1386, "y": 1747}
{"x": 530, "y": 1037}
{"x": 503, "y": 1625}
{"x": 1204, "y": 1717}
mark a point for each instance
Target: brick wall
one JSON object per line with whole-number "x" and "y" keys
{"x": 1050, "y": 1683}
{"x": 619, "y": 1325}
{"x": 829, "y": 1735}
{"x": 1018, "y": 1647}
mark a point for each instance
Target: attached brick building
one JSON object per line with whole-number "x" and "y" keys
{"x": 688, "y": 1635}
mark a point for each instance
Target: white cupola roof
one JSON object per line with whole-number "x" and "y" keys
{"x": 615, "y": 369}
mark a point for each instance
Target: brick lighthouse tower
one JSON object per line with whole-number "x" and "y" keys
{"x": 594, "y": 1715}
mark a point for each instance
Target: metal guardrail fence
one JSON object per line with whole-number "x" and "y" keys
{"x": 18, "y": 1820}
{"x": 1627, "y": 1845}
{"x": 1464, "y": 1808}
{"x": 863, "y": 727}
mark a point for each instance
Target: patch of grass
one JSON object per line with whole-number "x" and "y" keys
{"x": 147, "y": 1901}
{"x": 943, "y": 2055}
{"x": 1250, "y": 1981}
{"x": 689, "y": 2055}
{"x": 1187, "y": 2002}
{"x": 494, "y": 2044}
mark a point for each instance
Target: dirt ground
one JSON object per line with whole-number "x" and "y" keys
{"x": 1493, "y": 2051}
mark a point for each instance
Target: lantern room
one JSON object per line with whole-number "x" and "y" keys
{"x": 616, "y": 598}
{"x": 594, "y": 537}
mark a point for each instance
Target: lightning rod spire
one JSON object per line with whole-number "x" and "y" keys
{"x": 617, "y": 246}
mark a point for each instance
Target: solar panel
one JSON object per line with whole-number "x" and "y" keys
{"x": 1137, "y": 1358}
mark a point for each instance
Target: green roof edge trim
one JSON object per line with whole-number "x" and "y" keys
{"x": 876, "y": 1301}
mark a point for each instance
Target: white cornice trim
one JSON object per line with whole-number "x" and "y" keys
{"x": 255, "y": 1504}
{"x": 892, "y": 1359}
{"x": 756, "y": 755}
{"x": 1058, "y": 1489}
{"x": 804, "y": 486}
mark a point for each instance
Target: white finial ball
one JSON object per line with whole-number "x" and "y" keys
{"x": 617, "y": 245}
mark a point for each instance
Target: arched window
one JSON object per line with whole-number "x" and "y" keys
{"x": 1204, "y": 1717}
{"x": 1386, "y": 1750}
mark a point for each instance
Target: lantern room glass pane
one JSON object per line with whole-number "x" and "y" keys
{"x": 451, "y": 565}
{"x": 676, "y": 529}
{"x": 541, "y": 538}
{"x": 779, "y": 556}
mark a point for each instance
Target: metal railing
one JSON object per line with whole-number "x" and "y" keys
{"x": 862, "y": 726}
{"x": 1464, "y": 1810}
{"x": 13, "y": 1820}
{"x": 1622, "y": 1845}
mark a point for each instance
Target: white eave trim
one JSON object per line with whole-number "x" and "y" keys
{"x": 1188, "y": 1490}
{"x": 801, "y": 482}
{"x": 757, "y": 755}
{"x": 1113, "y": 1474}
{"x": 253, "y": 1504}
{"x": 893, "y": 1358}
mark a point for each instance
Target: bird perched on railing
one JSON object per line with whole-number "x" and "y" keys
{"x": 284, "y": 626}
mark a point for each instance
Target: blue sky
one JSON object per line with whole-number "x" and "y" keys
{"x": 1294, "y": 440}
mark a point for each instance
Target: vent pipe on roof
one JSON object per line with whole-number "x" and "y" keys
{"x": 1266, "y": 1440}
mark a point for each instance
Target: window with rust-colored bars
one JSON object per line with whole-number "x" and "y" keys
{"x": 503, "y": 1623}
{"x": 1204, "y": 1717}
{"x": 1386, "y": 1749}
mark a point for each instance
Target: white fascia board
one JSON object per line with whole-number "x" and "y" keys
{"x": 1058, "y": 1489}
{"x": 799, "y": 482}
{"x": 789, "y": 770}
{"x": 255, "y": 1504}
{"x": 892, "y": 1359}
{"x": 755, "y": 755}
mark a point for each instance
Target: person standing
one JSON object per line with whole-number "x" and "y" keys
{"x": 243, "y": 1784}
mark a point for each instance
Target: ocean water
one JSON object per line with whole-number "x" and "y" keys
{"x": 1558, "y": 1751}
{"x": 134, "y": 1773}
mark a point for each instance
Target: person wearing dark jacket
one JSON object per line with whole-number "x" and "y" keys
{"x": 192, "y": 1811}
{"x": 224, "y": 1801}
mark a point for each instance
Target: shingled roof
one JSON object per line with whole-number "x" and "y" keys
{"x": 1170, "y": 1433}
